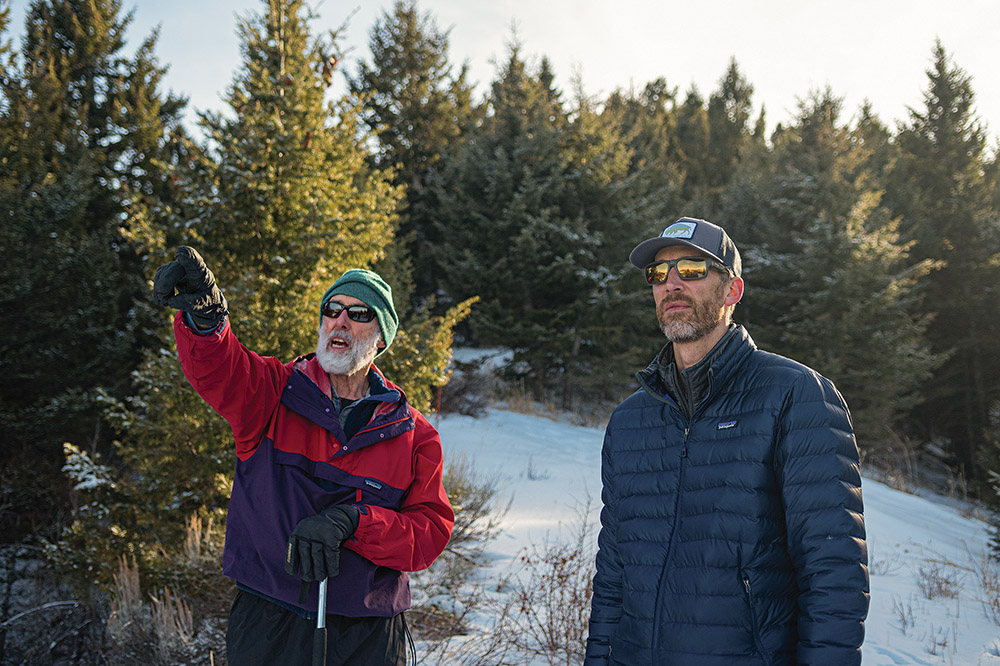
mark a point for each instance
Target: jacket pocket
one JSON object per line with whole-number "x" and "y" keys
{"x": 754, "y": 623}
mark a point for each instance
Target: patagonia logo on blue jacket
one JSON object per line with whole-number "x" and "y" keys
{"x": 725, "y": 425}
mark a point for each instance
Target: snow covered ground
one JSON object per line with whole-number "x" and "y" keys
{"x": 919, "y": 547}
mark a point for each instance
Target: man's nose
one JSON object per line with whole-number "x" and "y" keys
{"x": 673, "y": 281}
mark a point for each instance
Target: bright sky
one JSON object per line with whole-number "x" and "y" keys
{"x": 877, "y": 50}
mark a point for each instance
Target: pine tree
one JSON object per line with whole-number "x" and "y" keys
{"x": 873, "y": 137}
{"x": 85, "y": 130}
{"x": 411, "y": 99}
{"x": 939, "y": 186}
{"x": 526, "y": 206}
{"x": 5, "y": 49}
{"x": 419, "y": 110}
{"x": 619, "y": 202}
{"x": 829, "y": 283}
{"x": 283, "y": 201}
{"x": 712, "y": 138}
{"x": 496, "y": 201}
{"x": 728, "y": 123}
{"x": 693, "y": 137}
{"x": 646, "y": 121}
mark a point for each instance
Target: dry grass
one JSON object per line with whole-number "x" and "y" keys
{"x": 173, "y": 622}
{"x": 987, "y": 578}
{"x": 159, "y": 627}
{"x": 127, "y": 607}
{"x": 937, "y": 579}
{"x": 538, "y": 613}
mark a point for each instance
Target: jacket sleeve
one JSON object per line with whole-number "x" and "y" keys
{"x": 411, "y": 538}
{"x": 241, "y": 386}
{"x": 818, "y": 471}
{"x": 606, "y": 604}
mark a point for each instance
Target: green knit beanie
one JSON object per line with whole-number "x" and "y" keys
{"x": 369, "y": 288}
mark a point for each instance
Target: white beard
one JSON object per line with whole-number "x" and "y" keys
{"x": 358, "y": 356}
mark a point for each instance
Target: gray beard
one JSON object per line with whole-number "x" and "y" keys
{"x": 681, "y": 331}
{"x": 358, "y": 357}
{"x": 700, "y": 320}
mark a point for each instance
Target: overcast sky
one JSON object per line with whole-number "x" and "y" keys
{"x": 877, "y": 50}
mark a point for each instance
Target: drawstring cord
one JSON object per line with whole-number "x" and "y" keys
{"x": 409, "y": 638}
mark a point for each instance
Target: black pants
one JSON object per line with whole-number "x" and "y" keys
{"x": 262, "y": 633}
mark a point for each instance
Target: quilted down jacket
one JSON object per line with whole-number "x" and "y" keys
{"x": 735, "y": 538}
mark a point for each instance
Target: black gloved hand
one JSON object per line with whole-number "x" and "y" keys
{"x": 314, "y": 546}
{"x": 196, "y": 291}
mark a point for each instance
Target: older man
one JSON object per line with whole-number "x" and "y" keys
{"x": 337, "y": 476}
{"x": 732, "y": 531}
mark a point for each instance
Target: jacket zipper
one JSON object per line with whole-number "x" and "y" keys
{"x": 754, "y": 628}
{"x": 670, "y": 548}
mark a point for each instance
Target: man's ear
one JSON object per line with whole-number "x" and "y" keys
{"x": 381, "y": 342}
{"x": 735, "y": 291}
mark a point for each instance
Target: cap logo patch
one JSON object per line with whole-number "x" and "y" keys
{"x": 679, "y": 230}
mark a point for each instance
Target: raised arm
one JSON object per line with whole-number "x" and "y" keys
{"x": 241, "y": 386}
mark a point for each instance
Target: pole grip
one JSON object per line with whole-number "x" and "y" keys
{"x": 319, "y": 647}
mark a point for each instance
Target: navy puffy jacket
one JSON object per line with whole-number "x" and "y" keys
{"x": 736, "y": 538}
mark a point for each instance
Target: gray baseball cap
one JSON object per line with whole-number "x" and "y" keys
{"x": 703, "y": 236}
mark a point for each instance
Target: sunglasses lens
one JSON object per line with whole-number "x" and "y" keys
{"x": 692, "y": 269}
{"x": 687, "y": 269}
{"x": 360, "y": 313}
{"x": 657, "y": 273}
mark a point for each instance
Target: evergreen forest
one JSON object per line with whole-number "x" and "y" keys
{"x": 503, "y": 220}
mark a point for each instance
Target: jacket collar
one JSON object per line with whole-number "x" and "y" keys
{"x": 304, "y": 395}
{"x": 692, "y": 386}
{"x": 380, "y": 388}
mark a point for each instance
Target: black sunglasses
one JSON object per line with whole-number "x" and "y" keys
{"x": 688, "y": 268}
{"x": 361, "y": 313}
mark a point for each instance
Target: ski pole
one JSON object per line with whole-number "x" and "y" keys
{"x": 319, "y": 638}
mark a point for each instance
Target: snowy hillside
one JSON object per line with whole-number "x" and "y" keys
{"x": 928, "y": 570}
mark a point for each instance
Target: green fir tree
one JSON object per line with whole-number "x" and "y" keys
{"x": 537, "y": 211}
{"x": 83, "y": 176}
{"x": 939, "y": 185}
{"x": 829, "y": 282}
{"x": 419, "y": 110}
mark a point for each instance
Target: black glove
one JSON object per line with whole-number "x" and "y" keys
{"x": 197, "y": 294}
{"x": 314, "y": 546}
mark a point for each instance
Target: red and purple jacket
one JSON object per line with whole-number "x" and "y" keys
{"x": 294, "y": 459}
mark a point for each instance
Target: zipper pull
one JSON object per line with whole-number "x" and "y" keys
{"x": 684, "y": 448}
